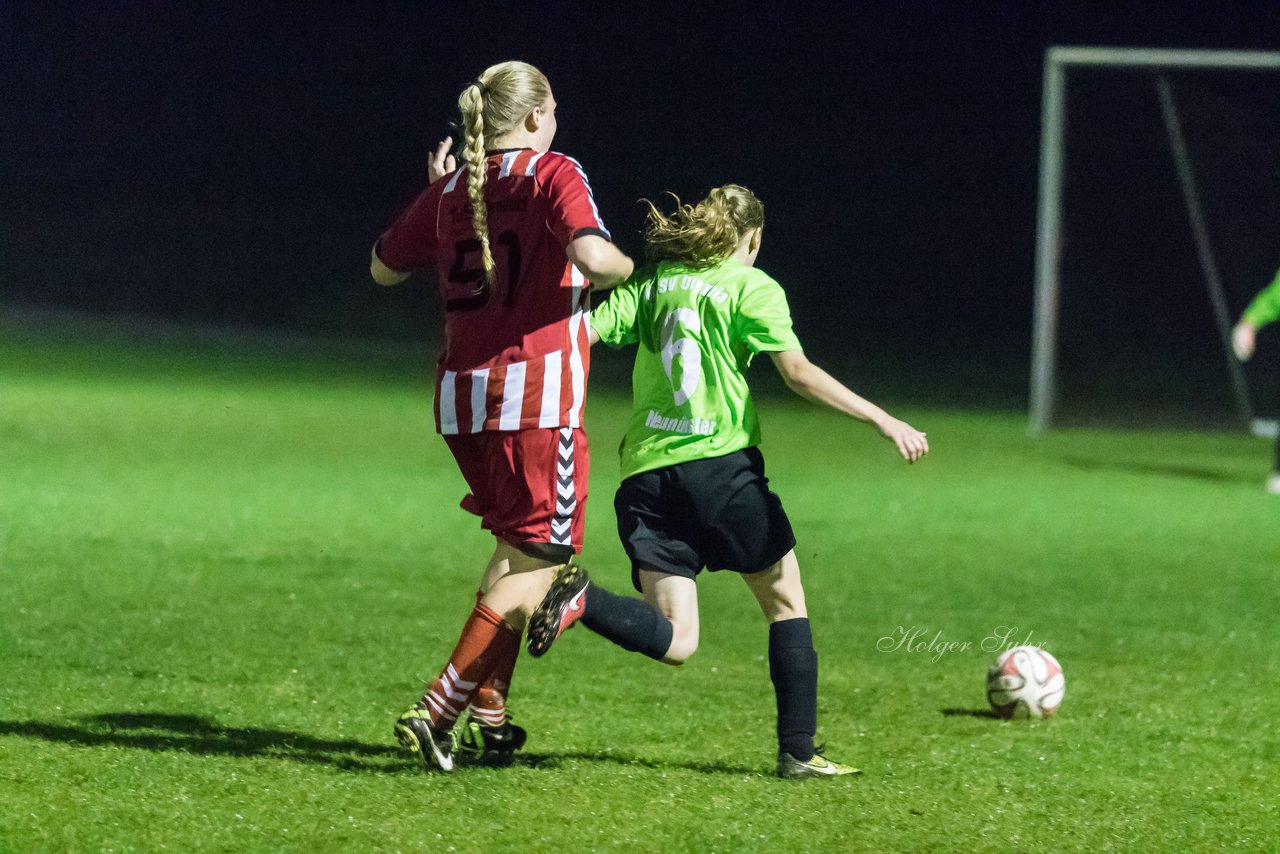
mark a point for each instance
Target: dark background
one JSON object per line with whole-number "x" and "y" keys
{"x": 233, "y": 163}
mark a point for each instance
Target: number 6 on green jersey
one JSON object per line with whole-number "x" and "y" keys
{"x": 711, "y": 320}
{"x": 686, "y": 349}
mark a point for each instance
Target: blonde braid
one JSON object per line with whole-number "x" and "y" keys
{"x": 471, "y": 102}
{"x": 494, "y": 105}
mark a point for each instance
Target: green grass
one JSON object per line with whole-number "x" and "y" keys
{"x": 226, "y": 563}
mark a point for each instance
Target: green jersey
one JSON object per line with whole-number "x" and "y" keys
{"x": 1265, "y": 307}
{"x": 697, "y": 331}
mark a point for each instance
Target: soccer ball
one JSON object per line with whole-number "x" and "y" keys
{"x": 1025, "y": 682}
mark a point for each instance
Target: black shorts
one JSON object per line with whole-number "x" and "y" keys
{"x": 716, "y": 513}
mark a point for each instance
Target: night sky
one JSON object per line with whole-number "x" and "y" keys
{"x": 234, "y": 162}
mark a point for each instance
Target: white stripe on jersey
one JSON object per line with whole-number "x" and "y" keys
{"x": 533, "y": 164}
{"x": 479, "y": 396}
{"x": 448, "y": 406}
{"x": 591, "y": 197}
{"x": 577, "y": 372}
{"x": 507, "y": 160}
{"x": 550, "y": 416}
{"x": 512, "y": 397}
{"x": 453, "y": 182}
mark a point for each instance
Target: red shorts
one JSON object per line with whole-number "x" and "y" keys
{"x": 529, "y": 487}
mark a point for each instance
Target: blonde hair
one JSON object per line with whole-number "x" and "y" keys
{"x": 701, "y": 235}
{"x": 493, "y": 106}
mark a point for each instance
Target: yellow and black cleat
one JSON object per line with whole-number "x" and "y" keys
{"x": 434, "y": 746}
{"x": 790, "y": 768}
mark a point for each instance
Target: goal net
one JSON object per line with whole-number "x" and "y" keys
{"x": 1159, "y": 219}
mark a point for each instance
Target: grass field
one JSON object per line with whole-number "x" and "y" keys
{"x": 227, "y": 562}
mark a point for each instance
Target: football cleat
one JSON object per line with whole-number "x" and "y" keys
{"x": 434, "y": 746}
{"x": 564, "y": 605}
{"x": 486, "y": 745}
{"x": 790, "y": 768}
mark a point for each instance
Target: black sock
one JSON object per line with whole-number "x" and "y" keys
{"x": 793, "y": 666}
{"x": 632, "y": 624}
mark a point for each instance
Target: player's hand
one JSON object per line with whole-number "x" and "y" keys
{"x": 1242, "y": 340}
{"x": 911, "y": 443}
{"x": 442, "y": 162}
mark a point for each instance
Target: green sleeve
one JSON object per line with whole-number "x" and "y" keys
{"x": 1265, "y": 307}
{"x": 763, "y": 320}
{"x": 614, "y": 320}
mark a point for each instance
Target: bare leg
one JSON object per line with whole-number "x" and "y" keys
{"x": 778, "y": 589}
{"x": 677, "y": 600}
{"x": 514, "y": 583}
{"x": 793, "y": 663}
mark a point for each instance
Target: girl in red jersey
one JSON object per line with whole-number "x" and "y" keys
{"x": 515, "y": 238}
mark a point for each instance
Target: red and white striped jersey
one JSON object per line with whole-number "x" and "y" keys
{"x": 516, "y": 353}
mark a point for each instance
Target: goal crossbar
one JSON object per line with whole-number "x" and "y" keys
{"x": 1149, "y": 57}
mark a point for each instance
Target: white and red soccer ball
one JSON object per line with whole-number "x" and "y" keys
{"x": 1025, "y": 682}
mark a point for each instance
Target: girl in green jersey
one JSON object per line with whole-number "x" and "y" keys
{"x": 1264, "y": 309}
{"x": 694, "y": 494}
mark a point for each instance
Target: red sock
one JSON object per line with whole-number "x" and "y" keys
{"x": 490, "y": 703}
{"x": 480, "y": 649}
{"x": 489, "y": 706}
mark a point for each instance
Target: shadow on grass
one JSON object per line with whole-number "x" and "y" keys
{"x": 555, "y": 760}
{"x": 1160, "y": 470}
{"x": 970, "y": 713}
{"x": 201, "y": 736}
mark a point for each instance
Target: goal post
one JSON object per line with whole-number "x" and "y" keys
{"x": 1058, "y": 62}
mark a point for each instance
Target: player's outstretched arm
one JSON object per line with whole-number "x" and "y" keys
{"x": 599, "y": 260}
{"x": 1262, "y": 310}
{"x": 813, "y": 383}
